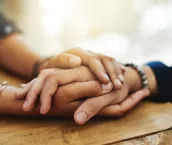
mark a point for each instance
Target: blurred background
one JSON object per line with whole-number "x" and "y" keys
{"x": 130, "y": 30}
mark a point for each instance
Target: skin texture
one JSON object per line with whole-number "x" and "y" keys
{"x": 9, "y": 105}
{"x": 48, "y": 81}
{"x": 127, "y": 97}
{"x": 15, "y": 54}
{"x": 65, "y": 102}
{"x": 102, "y": 66}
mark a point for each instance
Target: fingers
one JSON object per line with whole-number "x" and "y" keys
{"x": 81, "y": 90}
{"x": 90, "y": 107}
{"x": 64, "y": 61}
{"x": 102, "y": 66}
{"x": 114, "y": 70}
{"x": 93, "y": 62}
{"x": 66, "y": 108}
{"x": 134, "y": 99}
{"x": 47, "y": 82}
{"x": 81, "y": 74}
{"x": 126, "y": 105}
{"x": 123, "y": 68}
{"x": 21, "y": 94}
{"x": 47, "y": 93}
{"x": 98, "y": 69}
{"x": 34, "y": 92}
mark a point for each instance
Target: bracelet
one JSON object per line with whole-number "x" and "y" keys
{"x": 4, "y": 85}
{"x": 140, "y": 72}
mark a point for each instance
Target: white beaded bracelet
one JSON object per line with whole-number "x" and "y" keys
{"x": 140, "y": 72}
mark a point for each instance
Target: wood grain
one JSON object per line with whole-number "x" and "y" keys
{"x": 146, "y": 118}
{"x": 161, "y": 138}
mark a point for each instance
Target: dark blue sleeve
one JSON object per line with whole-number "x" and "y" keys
{"x": 163, "y": 76}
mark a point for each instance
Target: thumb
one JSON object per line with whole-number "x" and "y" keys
{"x": 64, "y": 60}
{"x": 130, "y": 102}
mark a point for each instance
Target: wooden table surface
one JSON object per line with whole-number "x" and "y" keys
{"x": 161, "y": 138}
{"x": 149, "y": 123}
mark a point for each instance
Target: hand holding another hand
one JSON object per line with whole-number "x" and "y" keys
{"x": 114, "y": 103}
{"x": 78, "y": 89}
{"x": 104, "y": 67}
{"x": 48, "y": 82}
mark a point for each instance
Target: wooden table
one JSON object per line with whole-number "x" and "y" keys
{"x": 149, "y": 123}
{"x": 160, "y": 138}
{"x": 139, "y": 127}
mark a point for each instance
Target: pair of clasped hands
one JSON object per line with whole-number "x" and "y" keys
{"x": 83, "y": 84}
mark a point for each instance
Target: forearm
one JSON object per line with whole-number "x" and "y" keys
{"x": 10, "y": 105}
{"x": 16, "y": 56}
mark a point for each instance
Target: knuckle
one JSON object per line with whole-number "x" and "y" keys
{"x": 108, "y": 58}
{"x": 50, "y": 76}
{"x": 93, "y": 59}
{"x": 44, "y": 72}
{"x": 91, "y": 108}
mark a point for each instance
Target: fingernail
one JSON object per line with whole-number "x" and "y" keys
{"x": 42, "y": 111}
{"x": 121, "y": 78}
{"x": 25, "y": 105}
{"x": 117, "y": 84}
{"x": 123, "y": 67}
{"x": 75, "y": 61}
{"x": 107, "y": 87}
{"x": 106, "y": 77}
{"x": 81, "y": 117}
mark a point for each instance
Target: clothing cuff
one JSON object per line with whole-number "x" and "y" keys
{"x": 163, "y": 75}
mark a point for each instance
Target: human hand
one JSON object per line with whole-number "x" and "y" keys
{"x": 104, "y": 67}
{"x": 102, "y": 105}
{"x": 67, "y": 102}
{"x": 63, "y": 106}
{"x": 47, "y": 83}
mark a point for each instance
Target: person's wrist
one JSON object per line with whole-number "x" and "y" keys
{"x": 134, "y": 83}
{"x": 133, "y": 80}
{"x": 151, "y": 80}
